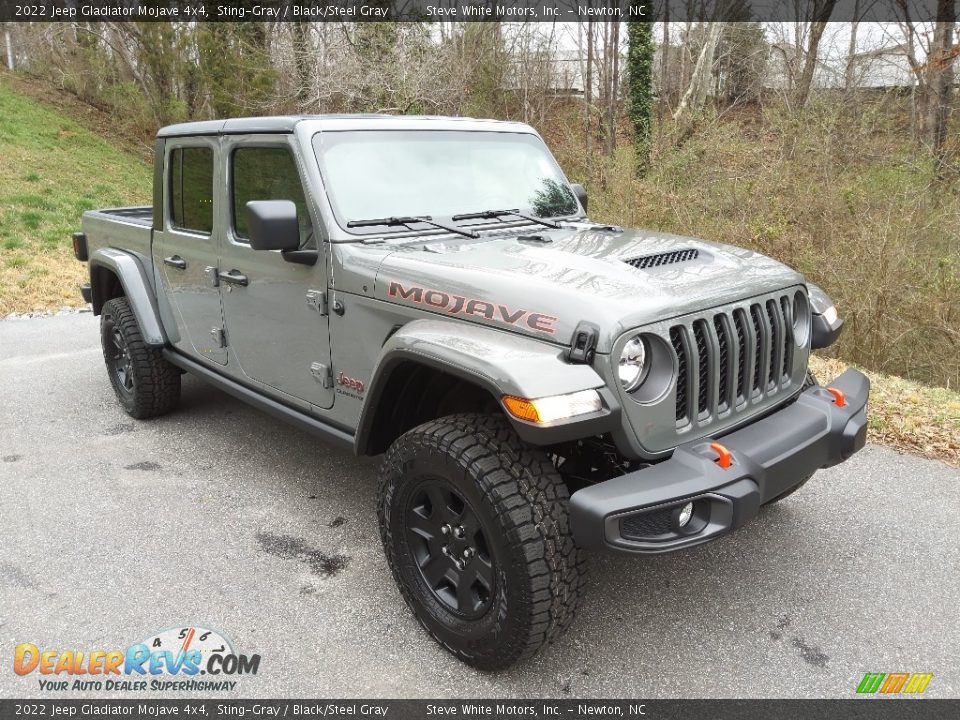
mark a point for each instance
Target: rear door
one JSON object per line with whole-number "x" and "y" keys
{"x": 186, "y": 248}
{"x": 278, "y": 337}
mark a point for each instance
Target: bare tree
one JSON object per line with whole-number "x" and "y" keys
{"x": 822, "y": 10}
{"x": 701, "y": 80}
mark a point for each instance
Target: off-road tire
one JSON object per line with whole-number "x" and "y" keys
{"x": 520, "y": 501}
{"x": 148, "y": 385}
{"x": 809, "y": 381}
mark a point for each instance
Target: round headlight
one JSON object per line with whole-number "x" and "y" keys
{"x": 632, "y": 362}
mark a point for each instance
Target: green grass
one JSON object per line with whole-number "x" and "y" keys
{"x": 51, "y": 171}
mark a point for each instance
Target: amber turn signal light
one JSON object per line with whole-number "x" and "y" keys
{"x": 521, "y": 409}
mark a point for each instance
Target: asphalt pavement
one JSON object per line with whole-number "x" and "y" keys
{"x": 219, "y": 516}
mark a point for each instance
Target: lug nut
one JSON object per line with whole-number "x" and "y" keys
{"x": 445, "y": 529}
{"x": 468, "y": 553}
{"x": 446, "y": 550}
{"x": 459, "y": 564}
{"x": 459, "y": 531}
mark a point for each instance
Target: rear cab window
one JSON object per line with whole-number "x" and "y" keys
{"x": 191, "y": 189}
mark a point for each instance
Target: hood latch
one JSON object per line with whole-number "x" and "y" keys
{"x": 584, "y": 344}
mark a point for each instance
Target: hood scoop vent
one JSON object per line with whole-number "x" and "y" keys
{"x": 645, "y": 262}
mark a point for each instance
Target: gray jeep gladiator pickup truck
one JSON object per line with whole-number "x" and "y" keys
{"x": 430, "y": 289}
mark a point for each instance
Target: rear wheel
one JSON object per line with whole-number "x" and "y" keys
{"x": 146, "y": 384}
{"x": 475, "y": 528}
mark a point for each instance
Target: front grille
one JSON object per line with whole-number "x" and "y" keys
{"x": 667, "y": 258}
{"x": 645, "y": 525}
{"x": 732, "y": 358}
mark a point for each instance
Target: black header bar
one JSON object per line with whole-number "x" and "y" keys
{"x": 214, "y": 709}
{"x": 466, "y": 10}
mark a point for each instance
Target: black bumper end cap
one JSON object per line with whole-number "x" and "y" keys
{"x": 823, "y": 334}
{"x": 86, "y": 292}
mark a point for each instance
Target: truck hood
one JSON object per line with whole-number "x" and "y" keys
{"x": 544, "y": 289}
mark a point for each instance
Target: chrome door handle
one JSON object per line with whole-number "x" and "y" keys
{"x": 175, "y": 261}
{"x": 234, "y": 278}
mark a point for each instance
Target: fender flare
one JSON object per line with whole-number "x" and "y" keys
{"x": 500, "y": 362}
{"x": 136, "y": 288}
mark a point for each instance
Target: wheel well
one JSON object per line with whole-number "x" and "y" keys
{"x": 415, "y": 393}
{"x": 104, "y": 285}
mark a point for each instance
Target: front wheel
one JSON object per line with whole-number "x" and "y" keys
{"x": 475, "y": 528}
{"x": 146, "y": 384}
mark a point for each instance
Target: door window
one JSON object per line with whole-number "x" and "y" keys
{"x": 191, "y": 189}
{"x": 267, "y": 173}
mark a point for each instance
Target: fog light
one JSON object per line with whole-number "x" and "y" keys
{"x": 686, "y": 512}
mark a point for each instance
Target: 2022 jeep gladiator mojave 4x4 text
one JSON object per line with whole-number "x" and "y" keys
{"x": 430, "y": 289}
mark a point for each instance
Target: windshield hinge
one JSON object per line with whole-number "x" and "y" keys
{"x": 584, "y": 344}
{"x": 317, "y": 299}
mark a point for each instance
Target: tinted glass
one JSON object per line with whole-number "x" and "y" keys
{"x": 383, "y": 173}
{"x": 266, "y": 173}
{"x": 191, "y": 188}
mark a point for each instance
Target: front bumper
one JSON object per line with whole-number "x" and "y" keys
{"x": 637, "y": 512}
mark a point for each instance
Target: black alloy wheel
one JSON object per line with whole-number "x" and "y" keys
{"x": 117, "y": 356}
{"x": 450, "y": 548}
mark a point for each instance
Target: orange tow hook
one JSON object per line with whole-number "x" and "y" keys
{"x": 839, "y": 399}
{"x": 724, "y": 458}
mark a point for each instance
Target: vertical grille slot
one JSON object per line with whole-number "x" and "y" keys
{"x": 676, "y": 340}
{"x": 776, "y": 343}
{"x": 740, "y": 323}
{"x": 788, "y": 339}
{"x": 724, "y": 364}
{"x": 759, "y": 346}
{"x": 703, "y": 366}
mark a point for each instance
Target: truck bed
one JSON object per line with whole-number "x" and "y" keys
{"x": 136, "y": 214}
{"x": 125, "y": 228}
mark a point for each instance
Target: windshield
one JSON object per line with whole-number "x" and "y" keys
{"x": 439, "y": 174}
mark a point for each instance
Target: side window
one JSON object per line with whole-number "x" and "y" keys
{"x": 267, "y": 173}
{"x": 191, "y": 188}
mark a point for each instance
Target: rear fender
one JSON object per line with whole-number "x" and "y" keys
{"x": 136, "y": 288}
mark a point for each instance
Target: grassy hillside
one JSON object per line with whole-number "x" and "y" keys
{"x": 51, "y": 171}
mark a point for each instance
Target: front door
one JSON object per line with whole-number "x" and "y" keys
{"x": 278, "y": 338}
{"x": 186, "y": 249}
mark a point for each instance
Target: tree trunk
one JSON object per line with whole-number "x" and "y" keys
{"x": 640, "y": 50}
{"x": 613, "y": 98}
{"x": 822, "y": 11}
{"x": 696, "y": 95}
{"x": 588, "y": 97}
{"x": 851, "y": 68}
{"x": 6, "y": 37}
{"x": 665, "y": 59}
{"x": 940, "y": 85}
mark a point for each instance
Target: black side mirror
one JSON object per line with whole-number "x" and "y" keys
{"x": 273, "y": 225}
{"x": 581, "y": 192}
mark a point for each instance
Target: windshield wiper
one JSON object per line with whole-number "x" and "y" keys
{"x": 394, "y": 221}
{"x": 495, "y": 214}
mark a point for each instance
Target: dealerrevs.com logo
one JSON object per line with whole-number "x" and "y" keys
{"x": 894, "y": 683}
{"x": 172, "y": 660}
